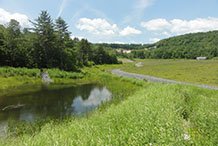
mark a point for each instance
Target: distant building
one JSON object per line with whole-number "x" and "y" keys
{"x": 201, "y": 58}
{"x": 123, "y": 51}
{"x": 127, "y": 51}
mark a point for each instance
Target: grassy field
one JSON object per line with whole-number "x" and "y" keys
{"x": 201, "y": 72}
{"x": 12, "y": 77}
{"x": 143, "y": 114}
{"x": 17, "y": 79}
{"x": 157, "y": 115}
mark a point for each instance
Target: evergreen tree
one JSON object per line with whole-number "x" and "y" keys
{"x": 12, "y": 37}
{"x": 63, "y": 35}
{"x": 2, "y": 46}
{"x": 45, "y": 48}
{"x": 67, "y": 53}
{"x": 62, "y": 29}
{"x": 48, "y": 46}
{"x": 84, "y": 52}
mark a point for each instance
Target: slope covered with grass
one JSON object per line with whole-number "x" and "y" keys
{"x": 157, "y": 114}
{"x": 193, "y": 71}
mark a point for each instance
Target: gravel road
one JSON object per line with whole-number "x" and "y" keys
{"x": 155, "y": 79}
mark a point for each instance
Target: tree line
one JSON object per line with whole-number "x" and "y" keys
{"x": 187, "y": 46}
{"x": 48, "y": 45}
{"x": 125, "y": 46}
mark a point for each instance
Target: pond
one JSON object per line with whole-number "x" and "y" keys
{"x": 57, "y": 102}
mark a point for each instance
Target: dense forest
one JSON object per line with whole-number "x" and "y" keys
{"x": 48, "y": 45}
{"x": 125, "y": 46}
{"x": 187, "y": 46}
{"x": 138, "y": 50}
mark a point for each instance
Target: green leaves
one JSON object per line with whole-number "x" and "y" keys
{"x": 47, "y": 45}
{"x": 188, "y": 46}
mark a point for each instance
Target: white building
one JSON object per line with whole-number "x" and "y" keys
{"x": 127, "y": 51}
{"x": 123, "y": 51}
{"x": 201, "y": 58}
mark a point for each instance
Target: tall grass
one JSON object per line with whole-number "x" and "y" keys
{"x": 54, "y": 73}
{"x": 12, "y": 77}
{"x": 201, "y": 72}
{"x": 142, "y": 114}
{"x": 120, "y": 88}
{"x": 152, "y": 116}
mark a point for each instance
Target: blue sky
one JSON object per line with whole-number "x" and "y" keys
{"x": 121, "y": 21}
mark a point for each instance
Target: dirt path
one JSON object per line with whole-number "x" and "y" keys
{"x": 156, "y": 79}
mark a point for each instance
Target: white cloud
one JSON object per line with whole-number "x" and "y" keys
{"x": 79, "y": 37}
{"x": 179, "y": 26}
{"x": 156, "y": 24}
{"x": 100, "y": 26}
{"x": 165, "y": 33}
{"x": 129, "y": 31}
{"x": 111, "y": 42}
{"x": 154, "y": 40}
{"x": 6, "y": 16}
{"x": 97, "y": 26}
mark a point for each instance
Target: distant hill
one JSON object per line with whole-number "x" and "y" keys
{"x": 124, "y": 46}
{"x": 187, "y": 46}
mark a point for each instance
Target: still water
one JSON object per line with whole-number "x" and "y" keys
{"x": 51, "y": 102}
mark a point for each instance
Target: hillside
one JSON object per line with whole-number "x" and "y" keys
{"x": 188, "y": 46}
{"x": 125, "y": 46}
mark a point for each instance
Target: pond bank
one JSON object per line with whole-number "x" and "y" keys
{"x": 153, "y": 115}
{"x": 142, "y": 114}
{"x": 118, "y": 87}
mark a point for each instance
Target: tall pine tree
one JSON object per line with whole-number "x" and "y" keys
{"x": 45, "y": 42}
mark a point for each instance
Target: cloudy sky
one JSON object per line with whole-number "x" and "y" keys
{"x": 120, "y": 21}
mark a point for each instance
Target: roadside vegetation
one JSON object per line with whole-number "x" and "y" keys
{"x": 156, "y": 114}
{"x": 140, "y": 113}
{"x": 193, "y": 71}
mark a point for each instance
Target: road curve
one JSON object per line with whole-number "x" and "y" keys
{"x": 156, "y": 79}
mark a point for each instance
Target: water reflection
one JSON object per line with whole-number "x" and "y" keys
{"x": 3, "y": 128}
{"x": 27, "y": 116}
{"x": 58, "y": 102}
{"x": 96, "y": 97}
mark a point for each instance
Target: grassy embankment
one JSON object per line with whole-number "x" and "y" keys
{"x": 11, "y": 78}
{"x": 18, "y": 79}
{"x": 157, "y": 114}
{"x": 193, "y": 71}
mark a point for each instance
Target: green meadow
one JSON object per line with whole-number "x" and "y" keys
{"x": 140, "y": 113}
{"x": 193, "y": 71}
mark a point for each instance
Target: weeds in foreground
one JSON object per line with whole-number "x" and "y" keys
{"x": 154, "y": 115}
